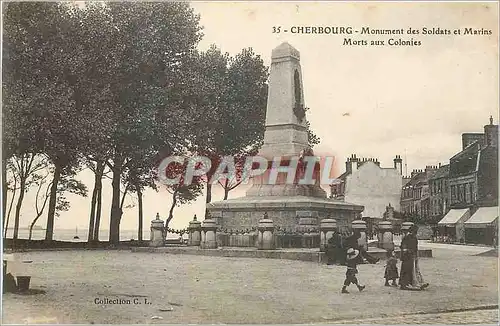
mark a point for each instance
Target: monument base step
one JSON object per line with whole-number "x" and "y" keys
{"x": 313, "y": 255}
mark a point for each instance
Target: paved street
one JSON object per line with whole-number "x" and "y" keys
{"x": 488, "y": 316}
{"x": 200, "y": 289}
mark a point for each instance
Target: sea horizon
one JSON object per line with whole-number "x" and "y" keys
{"x": 70, "y": 234}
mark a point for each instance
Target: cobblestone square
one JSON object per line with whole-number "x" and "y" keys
{"x": 200, "y": 289}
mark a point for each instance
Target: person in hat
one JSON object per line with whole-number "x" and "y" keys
{"x": 352, "y": 242}
{"x": 350, "y": 275}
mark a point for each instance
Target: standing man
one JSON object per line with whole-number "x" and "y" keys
{"x": 331, "y": 250}
{"x": 340, "y": 248}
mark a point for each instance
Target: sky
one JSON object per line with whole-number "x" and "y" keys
{"x": 374, "y": 101}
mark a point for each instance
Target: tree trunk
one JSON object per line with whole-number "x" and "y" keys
{"x": 122, "y": 202}
{"x": 209, "y": 197}
{"x": 10, "y": 208}
{"x": 49, "y": 234}
{"x": 171, "y": 211}
{"x": 139, "y": 199}
{"x": 39, "y": 211}
{"x": 33, "y": 224}
{"x": 226, "y": 189}
{"x": 92, "y": 212}
{"x": 4, "y": 189}
{"x": 97, "y": 180}
{"x": 20, "y": 199}
{"x": 116, "y": 213}
{"x": 98, "y": 212}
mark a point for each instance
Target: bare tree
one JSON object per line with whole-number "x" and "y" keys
{"x": 26, "y": 167}
{"x": 14, "y": 189}
{"x": 44, "y": 197}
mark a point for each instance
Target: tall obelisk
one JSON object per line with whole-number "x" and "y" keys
{"x": 286, "y": 129}
{"x": 286, "y": 133}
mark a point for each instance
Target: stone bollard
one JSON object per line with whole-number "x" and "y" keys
{"x": 265, "y": 237}
{"x": 208, "y": 234}
{"x": 327, "y": 227}
{"x": 157, "y": 231}
{"x": 405, "y": 227}
{"x": 386, "y": 240}
{"x": 308, "y": 227}
{"x": 194, "y": 232}
{"x": 360, "y": 226}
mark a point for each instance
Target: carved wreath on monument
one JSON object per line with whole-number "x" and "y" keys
{"x": 298, "y": 109}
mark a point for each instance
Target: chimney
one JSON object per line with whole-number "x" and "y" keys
{"x": 348, "y": 165}
{"x": 430, "y": 168}
{"x": 491, "y": 134}
{"x": 354, "y": 163}
{"x": 398, "y": 164}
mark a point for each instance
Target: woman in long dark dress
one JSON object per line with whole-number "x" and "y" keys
{"x": 417, "y": 278}
{"x": 410, "y": 277}
{"x": 405, "y": 277}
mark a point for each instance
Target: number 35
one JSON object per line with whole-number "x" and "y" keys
{"x": 276, "y": 29}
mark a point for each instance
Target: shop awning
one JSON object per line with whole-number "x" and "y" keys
{"x": 483, "y": 217}
{"x": 453, "y": 217}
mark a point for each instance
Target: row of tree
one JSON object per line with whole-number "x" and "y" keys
{"x": 115, "y": 88}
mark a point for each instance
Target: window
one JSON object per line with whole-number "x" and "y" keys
{"x": 466, "y": 193}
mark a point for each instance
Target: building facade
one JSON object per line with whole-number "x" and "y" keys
{"x": 439, "y": 201}
{"x": 473, "y": 172}
{"x": 415, "y": 198}
{"x": 370, "y": 185}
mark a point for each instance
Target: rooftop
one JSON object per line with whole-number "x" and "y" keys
{"x": 442, "y": 172}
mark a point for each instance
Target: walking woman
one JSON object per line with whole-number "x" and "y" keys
{"x": 405, "y": 277}
{"x": 417, "y": 278}
{"x": 410, "y": 277}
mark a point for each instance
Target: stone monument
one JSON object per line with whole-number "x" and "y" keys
{"x": 289, "y": 205}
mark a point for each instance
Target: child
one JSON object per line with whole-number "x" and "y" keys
{"x": 391, "y": 269}
{"x": 350, "y": 275}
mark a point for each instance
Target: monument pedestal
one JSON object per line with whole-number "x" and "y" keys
{"x": 285, "y": 211}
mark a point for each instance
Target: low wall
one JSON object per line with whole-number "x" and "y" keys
{"x": 312, "y": 255}
{"x": 249, "y": 240}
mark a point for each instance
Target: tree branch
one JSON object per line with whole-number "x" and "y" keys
{"x": 123, "y": 198}
{"x": 236, "y": 185}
